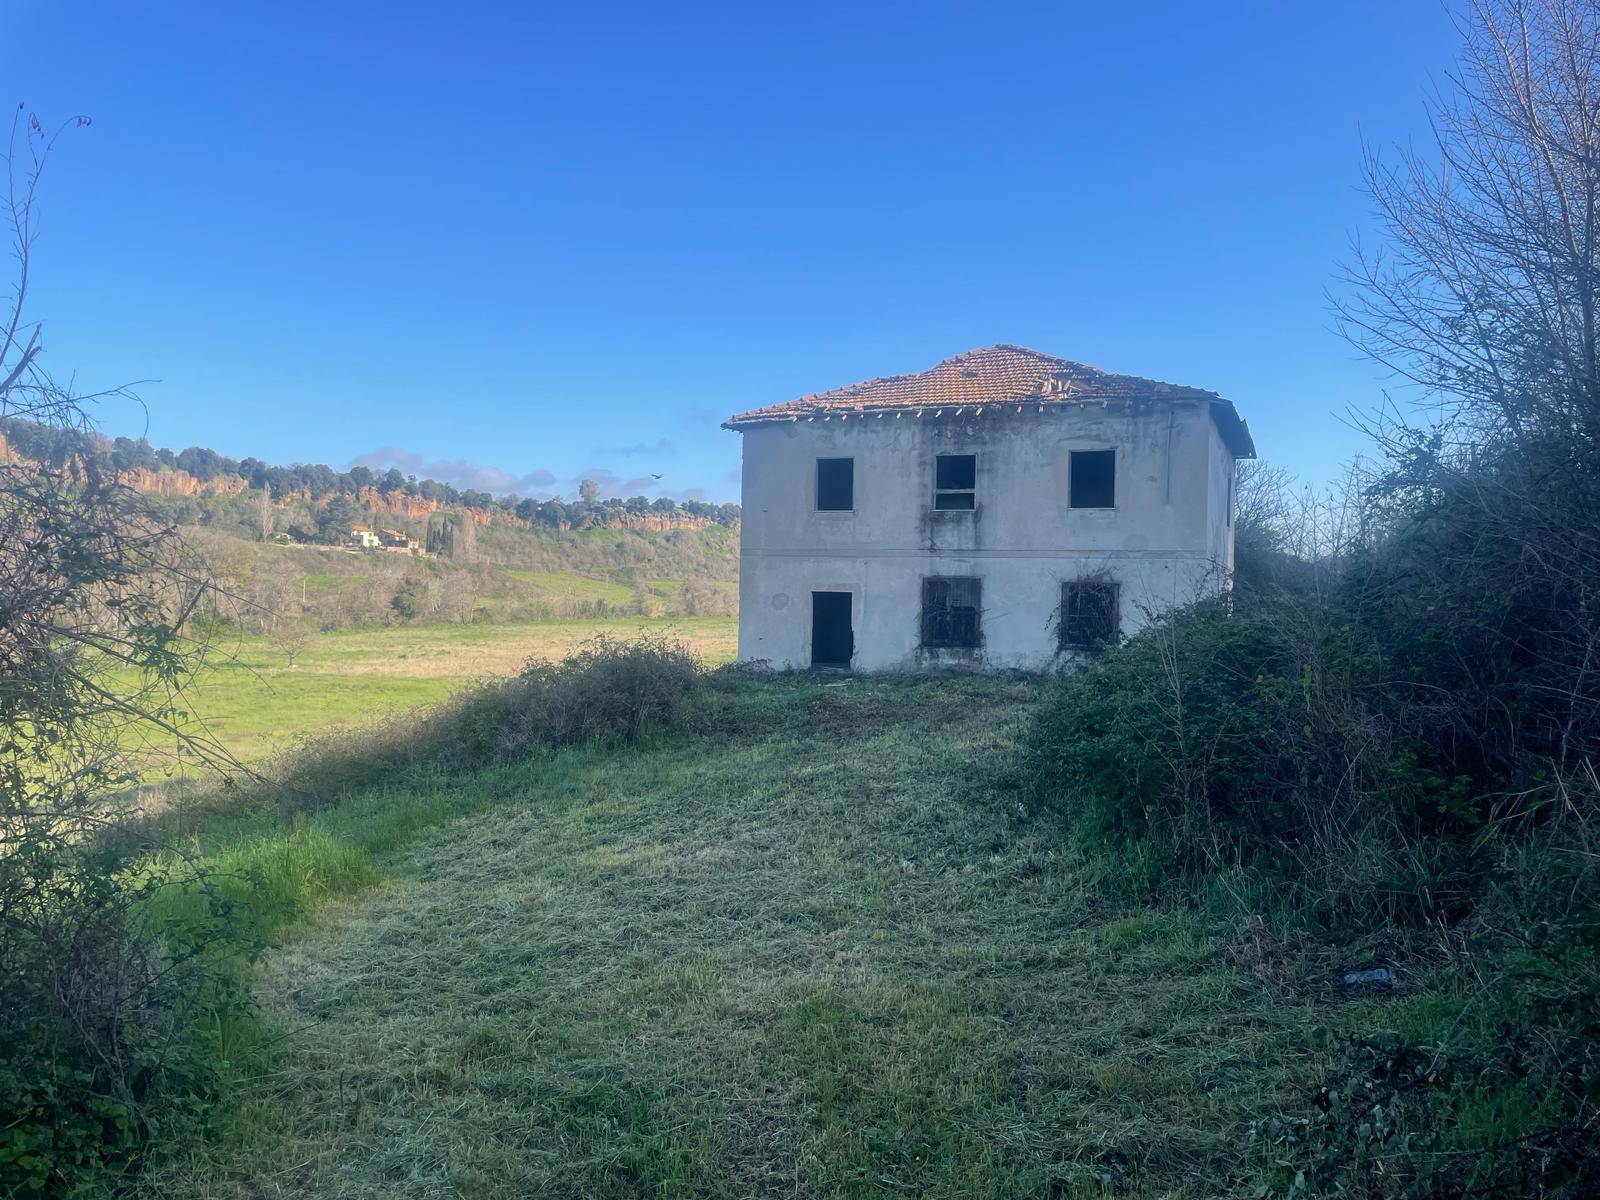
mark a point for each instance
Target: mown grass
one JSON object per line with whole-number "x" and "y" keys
{"x": 815, "y": 949}
{"x": 254, "y": 704}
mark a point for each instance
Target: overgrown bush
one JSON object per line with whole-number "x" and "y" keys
{"x": 101, "y": 1004}
{"x": 1398, "y": 749}
{"x": 109, "y": 1017}
{"x": 1376, "y": 738}
{"x": 610, "y": 690}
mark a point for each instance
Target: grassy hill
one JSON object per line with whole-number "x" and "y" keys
{"x": 500, "y": 558}
{"x": 515, "y": 575}
{"x": 807, "y": 950}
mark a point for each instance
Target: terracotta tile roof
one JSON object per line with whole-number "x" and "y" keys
{"x": 995, "y": 376}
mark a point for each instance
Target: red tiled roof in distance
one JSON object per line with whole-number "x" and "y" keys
{"x": 995, "y": 376}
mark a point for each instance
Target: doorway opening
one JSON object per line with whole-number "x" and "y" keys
{"x": 833, "y": 641}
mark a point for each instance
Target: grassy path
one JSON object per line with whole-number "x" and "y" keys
{"x": 820, "y": 953}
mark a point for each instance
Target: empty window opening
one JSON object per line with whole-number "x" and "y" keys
{"x": 836, "y": 484}
{"x": 1090, "y": 616}
{"x": 951, "y": 610}
{"x": 1093, "y": 479}
{"x": 955, "y": 481}
{"x": 833, "y": 640}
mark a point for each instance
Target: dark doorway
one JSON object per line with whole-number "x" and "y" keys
{"x": 833, "y": 642}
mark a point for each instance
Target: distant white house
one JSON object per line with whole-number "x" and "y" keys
{"x": 363, "y": 538}
{"x": 1005, "y": 509}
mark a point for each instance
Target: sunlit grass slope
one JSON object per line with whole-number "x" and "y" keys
{"x": 815, "y": 949}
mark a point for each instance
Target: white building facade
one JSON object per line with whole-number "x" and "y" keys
{"x": 1005, "y": 510}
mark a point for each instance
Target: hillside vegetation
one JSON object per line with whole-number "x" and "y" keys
{"x": 515, "y": 575}
{"x": 200, "y": 486}
{"x": 491, "y": 558}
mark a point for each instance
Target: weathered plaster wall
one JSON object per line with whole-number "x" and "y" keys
{"x": 1220, "y": 499}
{"x": 1165, "y": 542}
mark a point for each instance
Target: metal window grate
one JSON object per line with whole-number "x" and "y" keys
{"x": 951, "y": 612}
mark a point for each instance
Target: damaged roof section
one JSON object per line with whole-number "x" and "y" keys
{"x": 997, "y": 376}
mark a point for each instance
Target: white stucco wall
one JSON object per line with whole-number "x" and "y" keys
{"x": 1166, "y": 542}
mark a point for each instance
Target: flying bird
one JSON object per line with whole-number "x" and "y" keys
{"x": 655, "y": 477}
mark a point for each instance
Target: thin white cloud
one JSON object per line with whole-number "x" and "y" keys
{"x": 541, "y": 484}
{"x": 661, "y": 448}
{"x": 457, "y": 472}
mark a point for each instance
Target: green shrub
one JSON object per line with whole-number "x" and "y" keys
{"x": 107, "y": 1011}
{"x": 610, "y": 690}
{"x": 1241, "y": 740}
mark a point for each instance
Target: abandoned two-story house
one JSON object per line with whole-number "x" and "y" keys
{"x": 1006, "y": 509}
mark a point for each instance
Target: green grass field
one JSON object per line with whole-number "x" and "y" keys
{"x": 815, "y": 949}
{"x": 565, "y": 587}
{"x": 253, "y": 703}
{"x": 573, "y": 587}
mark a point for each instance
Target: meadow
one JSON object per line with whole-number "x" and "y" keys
{"x": 807, "y": 950}
{"x": 254, "y": 704}
{"x": 795, "y": 935}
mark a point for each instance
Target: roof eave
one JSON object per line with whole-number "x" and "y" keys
{"x": 1231, "y": 426}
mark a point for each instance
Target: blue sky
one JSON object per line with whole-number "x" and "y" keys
{"x": 563, "y": 240}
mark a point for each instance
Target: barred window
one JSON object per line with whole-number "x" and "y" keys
{"x": 1090, "y": 616}
{"x": 951, "y": 607}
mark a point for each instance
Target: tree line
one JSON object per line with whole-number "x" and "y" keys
{"x": 46, "y": 443}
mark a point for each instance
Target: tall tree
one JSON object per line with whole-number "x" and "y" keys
{"x": 337, "y": 517}
{"x": 1484, "y": 293}
{"x": 1483, "y": 289}
{"x": 264, "y": 511}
